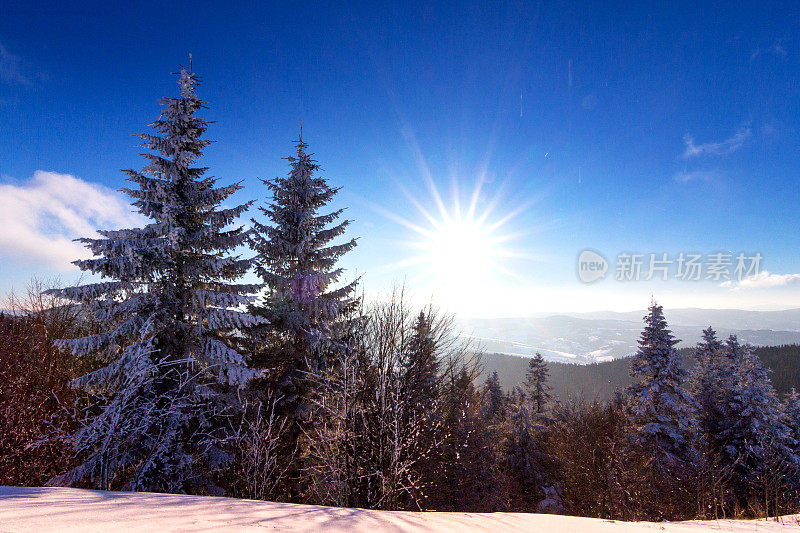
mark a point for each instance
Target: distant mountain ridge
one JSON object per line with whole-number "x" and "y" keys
{"x": 788, "y": 319}
{"x": 598, "y": 381}
{"x": 603, "y": 336}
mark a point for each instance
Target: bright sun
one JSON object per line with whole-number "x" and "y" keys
{"x": 461, "y": 251}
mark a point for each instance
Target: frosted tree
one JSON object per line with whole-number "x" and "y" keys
{"x": 661, "y": 407}
{"x": 709, "y": 346}
{"x": 297, "y": 259}
{"x": 757, "y": 439}
{"x": 791, "y": 407}
{"x": 170, "y": 306}
{"x": 376, "y": 420}
{"x": 521, "y": 452}
{"x": 536, "y": 383}
{"x": 710, "y": 385}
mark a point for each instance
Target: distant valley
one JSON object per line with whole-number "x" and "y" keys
{"x": 604, "y": 336}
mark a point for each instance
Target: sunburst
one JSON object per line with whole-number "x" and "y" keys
{"x": 460, "y": 253}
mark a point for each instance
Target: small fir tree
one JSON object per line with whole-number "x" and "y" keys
{"x": 536, "y": 384}
{"x": 494, "y": 400}
{"x": 419, "y": 364}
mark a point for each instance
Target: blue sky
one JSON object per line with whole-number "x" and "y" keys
{"x": 610, "y": 127}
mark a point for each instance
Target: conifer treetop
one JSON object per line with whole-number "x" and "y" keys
{"x": 295, "y": 253}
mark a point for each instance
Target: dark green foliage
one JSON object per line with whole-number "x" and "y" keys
{"x": 466, "y": 474}
{"x": 536, "y": 386}
{"x": 494, "y": 400}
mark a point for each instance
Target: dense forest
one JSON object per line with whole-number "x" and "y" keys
{"x": 599, "y": 381}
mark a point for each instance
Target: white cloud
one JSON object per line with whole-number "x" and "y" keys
{"x": 40, "y": 218}
{"x": 725, "y": 147}
{"x": 763, "y": 280}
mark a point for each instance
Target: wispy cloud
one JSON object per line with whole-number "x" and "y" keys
{"x": 11, "y": 68}
{"x": 777, "y": 49}
{"x": 40, "y": 218}
{"x": 727, "y": 146}
{"x": 763, "y": 280}
{"x": 695, "y": 175}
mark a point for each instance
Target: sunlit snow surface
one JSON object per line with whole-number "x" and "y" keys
{"x": 72, "y": 510}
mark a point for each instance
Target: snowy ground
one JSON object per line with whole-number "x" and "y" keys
{"x": 69, "y": 510}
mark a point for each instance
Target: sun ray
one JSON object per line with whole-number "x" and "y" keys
{"x": 411, "y": 142}
{"x": 397, "y": 218}
{"x": 476, "y": 194}
{"x": 511, "y": 214}
{"x": 433, "y": 220}
{"x": 407, "y": 262}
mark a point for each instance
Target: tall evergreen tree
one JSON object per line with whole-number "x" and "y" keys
{"x": 296, "y": 259}
{"x": 536, "y": 383}
{"x": 661, "y": 407}
{"x": 757, "y": 437}
{"x": 710, "y": 383}
{"x": 169, "y": 301}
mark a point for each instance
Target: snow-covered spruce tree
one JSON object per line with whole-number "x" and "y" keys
{"x": 297, "y": 260}
{"x": 662, "y": 409}
{"x": 538, "y": 390}
{"x": 757, "y": 439}
{"x": 710, "y": 383}
{"x": 712, "y": 386}
{"x": 791, "y": 409}
{"x": 169, "y": 301}
{"x": 709, "y": 346}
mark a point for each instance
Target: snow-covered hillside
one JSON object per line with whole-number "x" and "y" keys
{"x": 73, "y": 510}
{"x": 602, "y": 336}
